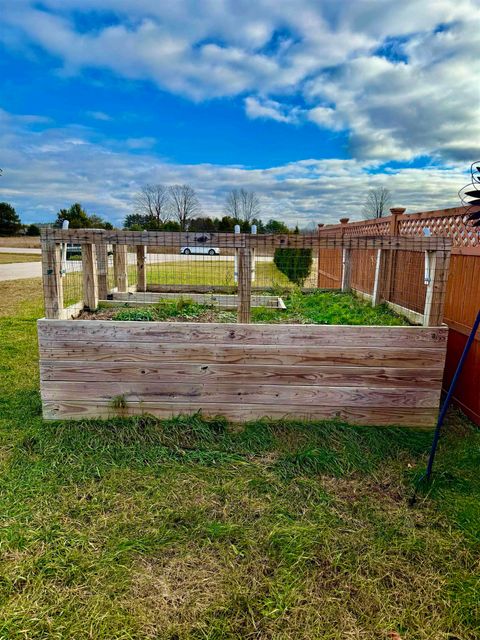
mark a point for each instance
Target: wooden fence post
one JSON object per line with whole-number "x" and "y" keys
{"x": 379, "y": 281}
{"x": 438, "y": 262}
{"x": 244, "y": 284}
{"x": 346, "y": 258}
{"x": 52, "y": 279}
{"x": 392, "y": 255}
{"x": 102, "y": 270}
{"x": 346, "y": 269}
{"x": 120, "y": 258}
{"x": 141, "y": 272}
{"x": 89, "y": 271}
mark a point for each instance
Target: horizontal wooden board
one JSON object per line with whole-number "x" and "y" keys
{"x": 374, "y": 416}
{"x": 240, "y": 240}
{"x": 216, "y": 299}
{"x": 304, "y": 336}
{"x": 74, "y": 370}
{"x": 283, "y": 394}
{"x": 138, "y": 351}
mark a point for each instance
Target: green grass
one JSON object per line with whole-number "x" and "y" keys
{"x": 316, "y": 308}
{"x": 197, "y": 529}
{"x": 12, "y": 258}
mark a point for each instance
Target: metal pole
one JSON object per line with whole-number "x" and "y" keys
{"x": 448, "y": 398}
{"x": 235, "y": 260}
{"x": 254, "y": 271}
{"x": 63, "y": 258}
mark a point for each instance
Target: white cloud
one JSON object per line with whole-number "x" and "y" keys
{"x": 271, "y": 110}
{"x": 99, "y": 115}
{"x": 49, "y": 169}
{"x": 280, "y": 52}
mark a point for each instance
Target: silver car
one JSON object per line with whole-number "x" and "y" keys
{"x": 205, "y": 251}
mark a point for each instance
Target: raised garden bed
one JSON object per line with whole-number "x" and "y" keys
{"x": 325, "y": 355}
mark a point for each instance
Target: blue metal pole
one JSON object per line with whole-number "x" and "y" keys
{"x": 448, "y": 398}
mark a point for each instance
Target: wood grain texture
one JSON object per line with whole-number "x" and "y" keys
{"x": 382, "y": 416}
{"x": 139, "y": 351}
{"x": 302, "y": 335}
{"x": 242, "y": 371}
{"x": 387, "y": 377}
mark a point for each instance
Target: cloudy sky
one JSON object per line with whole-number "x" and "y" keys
{"x": 310, "y": 103}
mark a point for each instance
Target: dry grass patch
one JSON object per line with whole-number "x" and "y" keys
{"x": 21, "y": 242}
{"x": 172, "y": 594}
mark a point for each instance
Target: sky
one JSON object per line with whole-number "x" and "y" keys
{"x": 309, "y": 103}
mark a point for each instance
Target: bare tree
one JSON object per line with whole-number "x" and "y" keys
{"x": 184, "y": 203}
{"x": 377, "y": 203}
{"x": 232, "y": 204}
{"x": 152, "y": 201}
{"x": 243, "y": 205}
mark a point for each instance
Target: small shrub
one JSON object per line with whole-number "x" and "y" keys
{"x": 33, "y": 230}
{"x": 294, "y": 263}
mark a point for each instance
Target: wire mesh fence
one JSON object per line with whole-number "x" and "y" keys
{"x": 84, "y": 268}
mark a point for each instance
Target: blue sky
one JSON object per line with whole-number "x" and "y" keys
{"x": 309, "y": 103}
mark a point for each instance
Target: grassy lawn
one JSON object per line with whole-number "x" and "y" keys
{"x": 11, "y": 258}
{"x": 136, "y": 529}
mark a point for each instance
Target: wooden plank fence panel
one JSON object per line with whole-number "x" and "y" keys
{"x": 242, "y": 371}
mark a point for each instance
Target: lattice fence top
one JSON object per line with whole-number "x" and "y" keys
{"x": 456, "y": 227}
{"x": 381, "y": 228}
{"x": 448, "y": 223}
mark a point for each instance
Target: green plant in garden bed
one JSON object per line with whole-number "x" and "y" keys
{"x": 165, "y": 310}
{"x": 194, "y": 528}
{"x": 306, "y": 308}
{"x": 327, "y": 307}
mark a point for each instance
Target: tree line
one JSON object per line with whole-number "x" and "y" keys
{"x": 160, "y": 207}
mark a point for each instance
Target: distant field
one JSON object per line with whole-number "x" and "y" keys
{"x": 25, "y": 242}
{"x": 11, "y": 258}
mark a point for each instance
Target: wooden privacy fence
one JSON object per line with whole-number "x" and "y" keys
{"x": 462, "y": 296}
{"x": 95, "y": 282}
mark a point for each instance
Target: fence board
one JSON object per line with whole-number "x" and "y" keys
{"x": 78, "y": 409}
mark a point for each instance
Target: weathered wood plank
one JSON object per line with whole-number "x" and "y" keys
{"x": 102, "y": 270}
{"x": 244, "y": 285}
{"x": 75, "y": 370}
{"x": 120, "y": 259}
{"x": 251, "y": 393}
{"x": 52, "y": 279}
{"x": 305, "y": 336}
{"x": 141, "y": 272}
{"x": 222, "y": 300}
{"x": 89, "y": 276}
{"x": 230, "y": 240}
{"x": 374, "y": 416}
{"x": 138, "y": 351}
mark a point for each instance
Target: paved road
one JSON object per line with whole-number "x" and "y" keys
{"x": 20, "y": 270}
{"x": 19, "y": 250}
